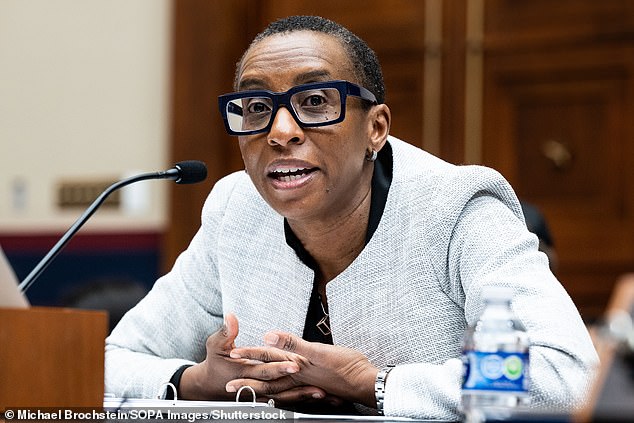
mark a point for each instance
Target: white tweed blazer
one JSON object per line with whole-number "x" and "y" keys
{"x": 446, "y": 232}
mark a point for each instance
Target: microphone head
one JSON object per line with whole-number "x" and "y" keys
{"x": 191, "y": 172}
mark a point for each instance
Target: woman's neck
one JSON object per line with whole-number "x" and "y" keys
{"x": 335, "y": 245}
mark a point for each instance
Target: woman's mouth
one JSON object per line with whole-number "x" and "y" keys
{"x": 291, "y": 177}
{"x": 291, "y": 174}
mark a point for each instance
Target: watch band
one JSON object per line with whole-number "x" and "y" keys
{"x": 379, "y": 387}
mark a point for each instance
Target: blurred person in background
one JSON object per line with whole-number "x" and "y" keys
{"x": 537, "y": 224}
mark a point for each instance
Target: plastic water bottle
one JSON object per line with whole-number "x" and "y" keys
{"x": 495, "y": 358}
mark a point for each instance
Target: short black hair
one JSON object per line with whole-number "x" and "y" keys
{"x": 364, "y": 60}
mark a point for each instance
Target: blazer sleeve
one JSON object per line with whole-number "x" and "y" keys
{"x": 169, "y": 327}
{"x": 490, "y": 245}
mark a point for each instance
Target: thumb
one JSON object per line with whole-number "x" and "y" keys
{"x": 224, "y": 338}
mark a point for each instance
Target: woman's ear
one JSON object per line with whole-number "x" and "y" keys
{"x": 380, "y": 119}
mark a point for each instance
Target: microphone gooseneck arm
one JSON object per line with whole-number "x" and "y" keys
{"x": 188, "y": 172}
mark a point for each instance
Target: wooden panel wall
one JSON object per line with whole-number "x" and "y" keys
{"x": 209, "y": 37}
{"x": 558, "y": 107}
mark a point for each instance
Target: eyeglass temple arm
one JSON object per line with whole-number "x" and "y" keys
{"x": 362, "y": 92}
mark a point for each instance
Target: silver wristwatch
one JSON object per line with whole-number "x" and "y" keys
{"x": 379, "y": 387}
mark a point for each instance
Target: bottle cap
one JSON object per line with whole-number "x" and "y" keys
{"x": 497, "y": 293}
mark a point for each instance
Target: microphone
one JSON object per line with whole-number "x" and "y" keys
{"x": 186, "y": 172}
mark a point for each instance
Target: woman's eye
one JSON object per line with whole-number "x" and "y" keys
{"x": 257, "y": 107}
{"x": 314, "y": 100}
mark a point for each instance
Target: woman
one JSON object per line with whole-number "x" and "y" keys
{"x": 345, "y": 252}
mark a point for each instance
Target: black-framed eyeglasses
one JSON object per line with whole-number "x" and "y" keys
{"x": 311, "y": 105}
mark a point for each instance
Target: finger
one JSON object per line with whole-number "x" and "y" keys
{"x": 264, "y": 354}
{"x": 269, "y": 371}
{"x": 304, "y": 394}
{"x": 287, "y": 342}
{"x": 261, "y": 387}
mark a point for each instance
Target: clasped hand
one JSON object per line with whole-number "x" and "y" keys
{"x": 288, "y": 370}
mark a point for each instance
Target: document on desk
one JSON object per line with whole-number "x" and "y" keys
{"x": 122, "y": 403}
{"x": 224, "y": 410}
{"x": 191, "y": 411}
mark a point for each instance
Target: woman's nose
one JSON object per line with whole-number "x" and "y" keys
{"x": 284, "y": 129}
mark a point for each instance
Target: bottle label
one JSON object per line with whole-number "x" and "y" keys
{"x": 495, "y": 371}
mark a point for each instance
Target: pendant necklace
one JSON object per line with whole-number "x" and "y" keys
{"x": 324, "y": 324}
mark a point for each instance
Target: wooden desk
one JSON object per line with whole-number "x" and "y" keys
{"x": 52, "y": 357}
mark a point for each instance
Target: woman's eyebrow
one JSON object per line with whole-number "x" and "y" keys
{"x": 251, "y": 84}
{"x": 303, "y": 78}
{"x": 312, "y": 76}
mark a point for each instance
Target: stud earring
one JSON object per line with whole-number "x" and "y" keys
{"x": 371, "y": 155}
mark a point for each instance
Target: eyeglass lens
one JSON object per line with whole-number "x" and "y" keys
{"x": 311, "y": 106}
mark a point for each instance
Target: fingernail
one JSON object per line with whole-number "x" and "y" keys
{"x": 230, "y": 388}
{"x": 271, "y": 339}
{"x": 318, "y": 395}
{"x": 234, "y": 354}
{"x": 291, "y": 370}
